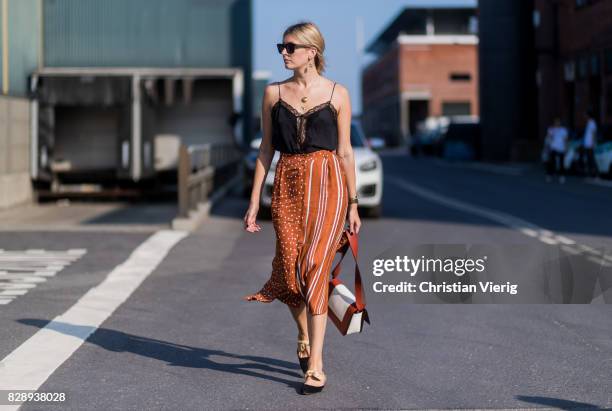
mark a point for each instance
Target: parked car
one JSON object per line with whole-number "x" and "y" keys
{"x": 376, "y": 142}
{"x": 428, "y": 137}
{"x": 462, "y": 140}
{"x": 248, "y": 166}
{"x": 572, "y": 156}
{"x": 368, "y": 174}
{"x": 603, "y": 157}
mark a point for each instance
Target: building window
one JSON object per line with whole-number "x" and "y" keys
{"x": 594, "y": 64}
{"x": 456, "y": 108}
{"x": 473, "y": 25}
{"x": 569, "y": 71}
{"x": 583, "y": 65}
{"x": 608, "y": 101}
{"x": 415, "y": 23}
{"x": 608, "y": 61}
{"x": 460, "y": 77}
{"x": 452, "y": 21}
{"x": 584, "y": 3}
{"x": 536, "y": 18}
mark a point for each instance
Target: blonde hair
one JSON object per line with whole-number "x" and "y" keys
{"x": 308, "y": 33}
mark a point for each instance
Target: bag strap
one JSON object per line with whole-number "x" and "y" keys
{"x": 342, "y": 250}
{"x": 353, "y": 244}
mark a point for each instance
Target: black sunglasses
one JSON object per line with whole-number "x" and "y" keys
{"x": 290, "y": 47}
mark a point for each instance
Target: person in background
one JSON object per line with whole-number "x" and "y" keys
{"x": 587, "y": 157}
{"x": 556, "y": 142}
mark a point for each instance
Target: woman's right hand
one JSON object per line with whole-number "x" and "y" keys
{"x": 249, "y": 219}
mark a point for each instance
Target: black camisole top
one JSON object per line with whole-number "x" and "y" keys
{"x": 315, "y": 129}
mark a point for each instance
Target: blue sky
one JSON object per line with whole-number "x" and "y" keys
{"x": 339, "y": 21}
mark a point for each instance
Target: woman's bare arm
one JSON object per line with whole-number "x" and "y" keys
{"x": 345, "y": 150}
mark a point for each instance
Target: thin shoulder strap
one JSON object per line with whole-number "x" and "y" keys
{"x": 332, "y": 93}
{"x": 279, "y": 91}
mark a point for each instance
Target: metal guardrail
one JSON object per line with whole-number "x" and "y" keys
{"x": 201, "y": 168}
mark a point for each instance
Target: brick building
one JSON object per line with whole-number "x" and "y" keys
{"x": 426, "y": 65}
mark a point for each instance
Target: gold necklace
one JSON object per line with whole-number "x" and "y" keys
{"x": 304, "y": 99}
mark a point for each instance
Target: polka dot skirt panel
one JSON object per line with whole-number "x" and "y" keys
{"x": 309, "y": 205}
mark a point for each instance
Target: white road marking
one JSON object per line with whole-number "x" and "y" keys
{"x": 24, "y": 277}
{"x": 31, "y": 266}
{"x": 31, "y": 364}
{"x": 565, "y": 240}
{"x": 13, "y": 292}
{"x": 27, "y": 267}
{"x": 523, "y": 226}
{"x": 46, "y": 273}
{"x": 570, "y": 250}
{"x": 15, "y": 286}
{"x": 31, "y": 257}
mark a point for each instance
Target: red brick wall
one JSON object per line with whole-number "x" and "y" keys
{"x": 380, "y": 79}
{"x": 428, "y": 68}
{"x": 380, "y": 114}
{"x": 585, "y": 28}
{"x": 416, "y": 68}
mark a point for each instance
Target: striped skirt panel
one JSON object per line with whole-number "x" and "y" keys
{"x": 309, "y": 208}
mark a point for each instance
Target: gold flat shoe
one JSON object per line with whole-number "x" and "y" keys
{"x": 312, "y": 389}
{"x": 303, "y": 346}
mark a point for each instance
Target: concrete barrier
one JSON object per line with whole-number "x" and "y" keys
{"x": 15, "y": 182}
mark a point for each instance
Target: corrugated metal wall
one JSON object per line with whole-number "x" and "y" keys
{"x": 145, "y": 33}
{"x": 151, "y": 33}
{"x": 23, "y": 30}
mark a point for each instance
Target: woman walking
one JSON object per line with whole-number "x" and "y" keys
{"x": 308, "y": 119}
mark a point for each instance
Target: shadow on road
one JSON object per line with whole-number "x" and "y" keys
{"x": 559, "y": 403}
{"x": 178, "y": 355}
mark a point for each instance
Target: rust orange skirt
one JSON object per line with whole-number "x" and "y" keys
{"x": 309, "y": 208}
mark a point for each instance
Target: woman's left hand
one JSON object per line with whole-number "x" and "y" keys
{"x": 354, "y": 221}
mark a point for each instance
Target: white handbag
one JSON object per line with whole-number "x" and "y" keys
{"x": 346, "y": 310}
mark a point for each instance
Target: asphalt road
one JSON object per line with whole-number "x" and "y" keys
{"x": 184, "y": 338}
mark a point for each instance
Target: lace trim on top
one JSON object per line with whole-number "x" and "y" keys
{"x": 302, "y": 117}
